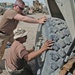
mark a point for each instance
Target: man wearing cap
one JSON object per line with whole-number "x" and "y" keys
{"x": 10, "y": 21}
{"x": 17, "y": 57}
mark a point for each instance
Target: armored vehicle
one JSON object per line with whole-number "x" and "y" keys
{"x": 60, "y": 29}
{"x": 37, "y": 6}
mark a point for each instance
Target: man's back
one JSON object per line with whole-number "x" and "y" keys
{"x": 15, "y": 55}
{"x": 8, "y": 23}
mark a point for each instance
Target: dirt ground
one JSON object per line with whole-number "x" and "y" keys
{"x": 32, "y": 30}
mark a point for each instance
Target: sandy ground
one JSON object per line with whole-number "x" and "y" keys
{"x": 32, "y": 30}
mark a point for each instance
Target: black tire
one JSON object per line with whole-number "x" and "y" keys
{"x": 50, "y": 62}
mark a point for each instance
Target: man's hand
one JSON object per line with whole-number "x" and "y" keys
{"x": 47, "y": 45}
{"x": 42, "y": 20}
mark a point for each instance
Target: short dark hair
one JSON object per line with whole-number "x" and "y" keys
{"x": 19, "y": 2}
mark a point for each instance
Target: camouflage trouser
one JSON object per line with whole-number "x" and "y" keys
{"x": 3, "y": 41}
{"x": 26, "y": 70}
{"x": 68, "y": 66}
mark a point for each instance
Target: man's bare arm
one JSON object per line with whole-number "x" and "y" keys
{"x": 47, "y": 45}
{"x": 29, "y": 19}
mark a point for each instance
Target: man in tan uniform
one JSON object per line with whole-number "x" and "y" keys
{"x": 17, "y": 57}
{"x": 10, "y": 21}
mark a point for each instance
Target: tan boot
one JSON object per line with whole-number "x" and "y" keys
{"x": 63, "y": 71}
{"x": 74, "y": 72}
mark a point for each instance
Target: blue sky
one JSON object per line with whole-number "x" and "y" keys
{"x": 27, "y": 1}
